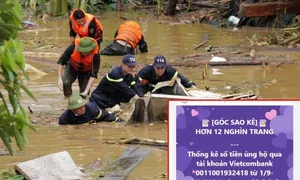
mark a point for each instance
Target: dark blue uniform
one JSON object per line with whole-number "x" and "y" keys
{"x": 115, "y": 88}
{"x": 92, "y": 112}
{"x": 147, "y": 78}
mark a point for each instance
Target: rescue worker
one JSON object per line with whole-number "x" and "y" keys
{"x": 127, "y": 38}
{"x": 82, "y": 61}
{"x": 117, "y": 86}
{"x": 85, "y": 25}
{"x": 159, "y": 71}
{"x": 80, "y": 111}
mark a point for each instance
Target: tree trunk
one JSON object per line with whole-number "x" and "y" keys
{"x": 64, "y": 7}
{"x": 171, "y": 7}
{"x": 119, "y": 5}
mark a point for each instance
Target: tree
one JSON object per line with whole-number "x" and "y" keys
{"x": 171, "y": 7}
{"x": 14, "y": 120}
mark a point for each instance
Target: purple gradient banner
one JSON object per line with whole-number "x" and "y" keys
{"x": 234, "y": 142}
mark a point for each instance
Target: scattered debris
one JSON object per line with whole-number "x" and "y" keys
{"x": 140, "y": 141}
{"x": 268, "y": 8}
{"x": 121, "y": 168}
{"x": 204, "y": 41}
{"x": 217, "y": 59}
{"x": 288, "y": 36}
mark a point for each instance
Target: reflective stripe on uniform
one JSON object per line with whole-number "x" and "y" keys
{"x": 113, "y": 80}
{"x": 152, "y": 85}
{"x": 132, "y": 83}
{"x": 100, "y": 113}
{"x": 116, "y": 119}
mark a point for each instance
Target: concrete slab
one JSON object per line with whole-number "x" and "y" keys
{"x": 56, "y": 166}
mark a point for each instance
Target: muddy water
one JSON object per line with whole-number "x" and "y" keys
{"x": 172, "y": 40}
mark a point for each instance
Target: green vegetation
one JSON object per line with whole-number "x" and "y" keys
{"x": 7, "y": 175}
{"x": 14, "y": 120}
{"x": 62, "y": 7}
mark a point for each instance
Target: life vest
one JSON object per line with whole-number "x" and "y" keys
{"x": 83, "y": 31}
{"x": 131, "y": 32}
{"x": 83, "y": 63}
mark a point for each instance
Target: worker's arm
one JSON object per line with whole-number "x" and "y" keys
{"x": 64, "y": 59}
{"x": 186, "y": 82}
{"x": 72, "y": 33}
{"x": 142, "y": 79}
{"x": 94, "y": 75}
{"x": 61, "y": 62}
{"x": 134, "y": 86}
{"x": 116, "y": 33}
{"x": 143, "y": 45}
{"x": 118, "y": 82}
{"x": 95, "y": 31}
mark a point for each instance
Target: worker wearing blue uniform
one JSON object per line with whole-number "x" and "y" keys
{"x": 118, "y": 85}
{"x": 159, "y": 71}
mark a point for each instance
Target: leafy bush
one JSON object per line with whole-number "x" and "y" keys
{"x": 14, "y": 119}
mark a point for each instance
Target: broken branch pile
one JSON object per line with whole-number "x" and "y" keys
{"x": 289, "y": 36}
{"x": 134, "y": 140}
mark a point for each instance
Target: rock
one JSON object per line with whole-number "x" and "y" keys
{"x": 51, "y": 167}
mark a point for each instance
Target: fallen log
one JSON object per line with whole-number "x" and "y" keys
{"x": 199, "y": 54}
{"x": 135, "y": 140}
{"x": 208, "y": 5}
{"x": 225, "y": 63}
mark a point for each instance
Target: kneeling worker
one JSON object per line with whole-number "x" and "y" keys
{"x": 159, "y": 71}
{"x": 127, "y": 38}
{"x": 117, "y": 86}
{"x": 80, "y": 111}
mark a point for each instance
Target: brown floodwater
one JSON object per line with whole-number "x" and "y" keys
{"x": 85, "y": 143}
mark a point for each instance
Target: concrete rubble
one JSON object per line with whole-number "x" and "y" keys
{"x": 56, "y": 166}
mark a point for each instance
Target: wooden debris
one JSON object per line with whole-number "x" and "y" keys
{"x": 204, "y": 40}
{"x": 208, "y": 4}
{"x": 268, "y": 9}
{"x": 161, "y": 175}
{"x": 143, "y": 141}
{"x": 225, "y": 63}
{"x": 288, "y": 36}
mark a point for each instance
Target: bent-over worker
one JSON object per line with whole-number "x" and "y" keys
{"x": 127, "y": 38}
{"x": 159, "y": 71}
{"x": 82, "y": 61}
{"x": 117, "y": 86}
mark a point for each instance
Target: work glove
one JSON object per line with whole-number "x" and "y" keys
{"x": 60, "y": 84}
{"x": 83, "y": 94}
{"x": 193, "y": 87}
